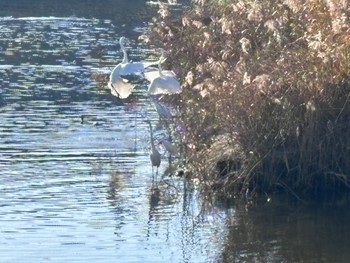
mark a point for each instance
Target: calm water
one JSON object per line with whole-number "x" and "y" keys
{"x": 82, "y": 191}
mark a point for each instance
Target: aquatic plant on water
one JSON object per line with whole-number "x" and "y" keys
{"x": 266, "y": 98}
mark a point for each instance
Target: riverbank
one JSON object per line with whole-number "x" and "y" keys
{"x": 265, "y": 106}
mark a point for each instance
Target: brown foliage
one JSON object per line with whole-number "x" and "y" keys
{"x": 272, "y": 79}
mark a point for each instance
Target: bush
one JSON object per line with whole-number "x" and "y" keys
{"x": 266, "y": 101}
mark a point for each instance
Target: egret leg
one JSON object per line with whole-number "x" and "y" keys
{"x": 156, "y": 175}
{"x": 169, "y": 159}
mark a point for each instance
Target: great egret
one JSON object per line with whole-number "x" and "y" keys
{"x": 119, "y": 79}
{"x": 170, "y": 2}
{"x": 163, "y": 112}
{"x": 126, "y": 68}
{"x": 170, "y": 147}
{"x": 162, "y": 81}
{"x": 118, "y": 83}
{"x": 154, "y": 153}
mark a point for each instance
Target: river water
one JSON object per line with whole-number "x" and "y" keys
{"x": 76, "y": 181}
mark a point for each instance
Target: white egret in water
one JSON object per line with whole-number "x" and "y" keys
{"x": 171, "y": 148}
{"x": 162, "y": 81}
{"x": 154, "y": 153}
{"x": 119, "y": 79}
{"x": 118, "y": 83}
{"x": 170, "y": 2}
{"x": 163, "y": 112}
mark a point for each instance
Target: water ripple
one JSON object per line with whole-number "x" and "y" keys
{"x": 75, "y": 170}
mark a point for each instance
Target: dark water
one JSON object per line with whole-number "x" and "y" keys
{"x": 82, "y": 191}
{"x": 286, "y": 232}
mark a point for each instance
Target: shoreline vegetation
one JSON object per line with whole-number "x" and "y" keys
{"x": 265, "y": 106}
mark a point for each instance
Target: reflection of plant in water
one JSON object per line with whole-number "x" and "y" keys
{"x": 266, "y": 92}
{"x": 174, "y": 203}
{"x": 100, "y": 77}
{"x": 162, "y": 194}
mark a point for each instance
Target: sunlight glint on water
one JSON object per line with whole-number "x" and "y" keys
{"x": 81, "y": 189}
{"x": 76, "y": 189}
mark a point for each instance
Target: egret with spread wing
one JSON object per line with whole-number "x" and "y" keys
{"x": 169, "y": 2}
{"x": 162, "y": 81}
{"x": 119, "y": 80}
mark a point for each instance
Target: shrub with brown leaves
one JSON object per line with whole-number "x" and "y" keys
{"x": 266, "y": 85}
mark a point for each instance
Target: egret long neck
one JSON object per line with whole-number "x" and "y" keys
{"x": 151, "y": 132}
{"x": 125, "y": 55}
{"x": 160, "y": 67}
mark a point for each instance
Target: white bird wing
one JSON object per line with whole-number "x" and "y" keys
{"x": 133, "y": 68}
{"x": 115, "y": 74}
{"x": 164, "y": 85}
{"x": 120, "y": 88}
{"x": 170, "y": 2}
{"x": 151, "y": 75}
{"x": 147, "y": 64}
{"x": 169, "y": 73}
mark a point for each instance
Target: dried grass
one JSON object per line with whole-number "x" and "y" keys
{"x": 273, "y": 78}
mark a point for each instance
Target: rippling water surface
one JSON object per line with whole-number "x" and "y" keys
{"x": 76, "y": 181}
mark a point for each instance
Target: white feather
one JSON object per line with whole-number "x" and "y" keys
{"x": 162, "y": 82}
{"x": 118, "y": 77}
{"x": 120, "y": 88}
